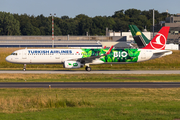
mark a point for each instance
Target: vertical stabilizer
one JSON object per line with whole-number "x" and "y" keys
{"x": 138, "y": 35}
{"x": 159, "y": 41}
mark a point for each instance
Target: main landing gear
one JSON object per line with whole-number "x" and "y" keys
{"x": 88, "y": 68}
{"x": 24, "y": 69}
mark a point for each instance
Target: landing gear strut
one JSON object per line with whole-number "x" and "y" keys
{"x": 88, "y": 68}
{"x": 24, "y": 69}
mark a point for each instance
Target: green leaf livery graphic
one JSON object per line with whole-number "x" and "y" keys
{"x": 116, "y": 55}
{"x": 130, "y": 53}
{"x": 109, "y": 59}
{"x": 103, "y": 59}
{"x": 137, "y": 53}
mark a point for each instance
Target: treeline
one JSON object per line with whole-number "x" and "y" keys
{"x": 15, "y": 24}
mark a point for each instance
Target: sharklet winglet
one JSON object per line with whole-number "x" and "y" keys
{"x": 108, "y": 52}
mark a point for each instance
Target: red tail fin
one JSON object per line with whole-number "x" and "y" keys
{"x": 159, "y": 41}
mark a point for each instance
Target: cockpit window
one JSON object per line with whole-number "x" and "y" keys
{"x": 14, "y": 54}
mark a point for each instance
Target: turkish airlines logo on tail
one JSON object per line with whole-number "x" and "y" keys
{"x": 159, "y": 42}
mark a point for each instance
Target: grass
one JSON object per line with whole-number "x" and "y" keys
{"x": 88, "y": 78}
{"x": 95, "y": 104}
{"x": 90, "y": 104}
{"x": 170, "y": 62}
{"x": 23, "y": 104}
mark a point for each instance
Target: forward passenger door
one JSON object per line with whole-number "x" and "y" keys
{"x": 24, "y": 54}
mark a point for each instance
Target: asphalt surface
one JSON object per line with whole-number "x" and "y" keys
{"x": 90, "y": 85}
{"x": 95, "y": 72}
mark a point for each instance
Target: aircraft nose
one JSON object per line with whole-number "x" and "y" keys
{"x": 8, "y": 58}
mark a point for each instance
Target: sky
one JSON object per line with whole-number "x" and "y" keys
{"x": 91, "y": 8}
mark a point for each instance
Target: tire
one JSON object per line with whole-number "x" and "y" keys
{"x": 86, "y": 68}
{"x": 89, "y": 69}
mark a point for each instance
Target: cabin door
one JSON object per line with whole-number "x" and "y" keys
{"x": 57, "y": 55}
{"x": 24, "y": 54}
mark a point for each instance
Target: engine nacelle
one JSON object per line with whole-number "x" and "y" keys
{"x": 72, "y": 64}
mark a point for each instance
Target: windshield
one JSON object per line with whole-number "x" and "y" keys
{"x": 14, "y": 54}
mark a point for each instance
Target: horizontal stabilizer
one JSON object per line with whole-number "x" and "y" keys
{"x": 162, "y": 53}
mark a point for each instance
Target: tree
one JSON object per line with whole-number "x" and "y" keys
{"x": 100, "y": 23}
{"x": 29, "y": 29}
{"x": 30, "y": 25}
{"x": 57, "y": 30}
{"x": 119, "y": 14}
{"x": 63, "y": 25}
{"x": 8, "y": 24}
{"x": 65, "y": 17}
{"x": 120, "y": 25}
{"x": 84, "y": 24}
{"x": 132, "y": 12}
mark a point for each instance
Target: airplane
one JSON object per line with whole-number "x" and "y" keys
{"x": 77, "y": 58}
{"x": 140, "y": 39}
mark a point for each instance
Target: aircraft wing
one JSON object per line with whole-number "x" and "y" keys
{"x": 91, "y": 58}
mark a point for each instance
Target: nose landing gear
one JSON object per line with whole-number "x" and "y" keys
{"x": 24, "y": 69}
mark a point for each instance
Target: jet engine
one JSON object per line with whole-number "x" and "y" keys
{"x": 72, "y": 64}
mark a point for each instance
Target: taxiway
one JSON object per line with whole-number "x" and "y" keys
{"x": 93, "y": 72}
{"x": 90, "y": 85}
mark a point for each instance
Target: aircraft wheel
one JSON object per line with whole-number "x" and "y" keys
{"x": 24, "y": 69}
{"x": 86, "y": 68}
{"x": 89, "y": 69}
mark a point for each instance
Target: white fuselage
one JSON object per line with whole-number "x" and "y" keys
{"x": 43, "y": 56}
{"x": 59, "y": 56}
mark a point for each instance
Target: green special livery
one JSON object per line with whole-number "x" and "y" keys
{"x": 116, "y": 55}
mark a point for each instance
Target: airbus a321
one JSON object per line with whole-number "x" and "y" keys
{"x": 77, "y": 58}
